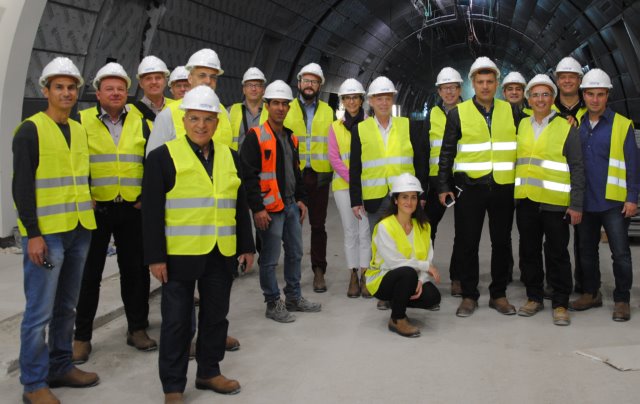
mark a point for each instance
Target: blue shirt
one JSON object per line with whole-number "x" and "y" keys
{"x": 596, "y": 144}
{"x": 309, "y": 111}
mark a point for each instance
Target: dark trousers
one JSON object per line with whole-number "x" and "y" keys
{"x": 470, "y": 209}
{"x": 176, "y": 307}
{"x": 533, "y": 226}
{"x": 318, "y": 198}
{"x": 577, "y": 270}
{"x": 616, "y": 226}
{"x": 124, "y": 221}
{"x": 399, "y": 284}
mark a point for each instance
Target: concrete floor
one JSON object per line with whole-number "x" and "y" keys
{"x": 346, "y": 354}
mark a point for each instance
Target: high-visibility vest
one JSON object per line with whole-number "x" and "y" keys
{"x": 235, "y": 120}
{"x": 616, "y": 189}
{"x": 200, "y": 211}
{"x": 115, "y": 170}
{"x": 420, "y": 248}
{"x": 437, "y": 119}
{"x": 579, "y": 114}
{"x": 223, "y": 130}
{"x": 62, "y": 190}
{"x": 343, "y": 138}
{"x": 271, "y": 196}
{"x": 322, "y": 119}
{"x": 134, "y": 109}
{"x": 542, "y": 172}
{"x": 481, "y": 152}
{"x": 380, "y": 164}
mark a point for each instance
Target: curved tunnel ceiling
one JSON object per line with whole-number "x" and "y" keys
{"x": 407, "y": 40}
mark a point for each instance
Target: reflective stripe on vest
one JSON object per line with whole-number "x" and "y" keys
{"x": 481, "y": 152}
{"x": 115, "y": 170}
{"x": 616, "y": 189}
{"x": 437, "y": 119}
{"x": 200, "y": 213}
{"x": 223, "y": 130}
{"x": 61, "y": 182}
{"x": 322, "y": 119}
{"x": 343, "y": 139}
{"x": 235, "y": 120}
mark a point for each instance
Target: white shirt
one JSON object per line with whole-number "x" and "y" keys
{"x": 539, "y": 127}
{"x": 384, "y": 131}
{"x": 163, "y": 130}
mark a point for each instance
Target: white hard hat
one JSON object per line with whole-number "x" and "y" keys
{"x": 278, "y": 90}
{"x": 350, "y": 86}
{"x": 60, "y": 66}
{"x": 179, "y": 73}
{"x": 312, "y": 68}
{"x": 596, "y": 78}
{"x": 569, "y": 65}
{"x": 541, "y": 79}
{"x": 483, "y": 63}
{"x": 253, "y": 73}
{"x": 151, "y": 64}
{"x": 205, "y": 58}
{"x": 406, "y": 183}
{"x": 514, "y": 78}
{"x": 448, "y": 75}
{"x": 381, "y": 85}
{"x": 111, "y": 69}
{"x": 202, "y": 98}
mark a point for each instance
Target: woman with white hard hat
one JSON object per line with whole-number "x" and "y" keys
{"x": 401, "y": 269}
{"x": 357, "y": 236}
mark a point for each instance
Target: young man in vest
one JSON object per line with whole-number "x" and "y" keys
{"x": 116, "y": 141}
{"x": 250, "y": 112}
{"x": 152, "y": 79}
{"x": 309, "y": 118}
{"x": 55, "y": 217}
{"x": 204, "y": 68}
{"x": 549, "y": 188}
{"x": 270, "y": 162}
{"x": 478, "y": 155}
{"x": 611, "y": 198}
{"x": 196, "y": 226}
{"x": 179, "y": 82}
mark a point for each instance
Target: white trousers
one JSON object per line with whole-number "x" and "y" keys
{"x": 357, "y": 238}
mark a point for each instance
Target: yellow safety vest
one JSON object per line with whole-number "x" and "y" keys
{"x": 481, "y": 152}
{"x": 381, "y": 164}
{"x": 322, "y": 119}
{"x": 542, "y": 172}
{"x": 115, "y": 170}
{"x": 579, "y": 114}
{"x": 135, "y": 110}
{"x": 201, "y": 212}
{"x": 235, "y": 120}
{"x": 616, "y": 189}
{"x": 437, "y": 119}
{"x": 221, "y": 135}
{"x": 343, "y": 138}
{"x": 420, "y": 248}
{"x": 63, "y": 197}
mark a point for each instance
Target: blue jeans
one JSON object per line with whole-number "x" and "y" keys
{"x": 51, "y": 295}
{"x": 284, "y": 229}
{"x": 616, "y": 226}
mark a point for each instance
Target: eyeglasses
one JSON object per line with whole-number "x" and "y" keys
{"x": 182, "y": 86}
{"x": 449, "y": 89}
{"x": 351, "y": 97}
{"x": 208, "y": 120}
{"x": 253, "y": 85}
{"x": 540, "y": 95}
{"x": 204, "y": 75}
{"x": 308, "y": 81}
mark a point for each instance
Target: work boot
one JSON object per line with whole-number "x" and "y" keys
{"x": 530, "y": 308}
{"x": 502, "y": 306}
{"x": 141, "y": 341}
{"x": 319, "y": 285}
{"x": 561, "y": 316}
{"x": 40, "y": 396}
{"x": 219, "y": 384}
{"x": 403, "y": 327}
{"x": 467, "y": 307}
{"x": 81, "y": 351}
{"x": 75, "y": 378}
{"x": 621, "y": 311}
{"x": 456, "y": 289}
{"x": 354, "y": 285}
{"x": 586, "y": 301}
{"x": 173, "y": 398}
{"x": 303, "y": 305}
{"x": 364, "y": 292}
{"x": 383, "y": 305}
{"x": 232, "y": 344}
{"x": 277, "y": 311}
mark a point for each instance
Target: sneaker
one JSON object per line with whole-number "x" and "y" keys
{"x": 530, "y": 308}
{"x": 561, "y": 316}
{"x": 303, "y": 305}
{"x": 277, "y": 311}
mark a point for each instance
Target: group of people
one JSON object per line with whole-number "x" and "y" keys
{"x": 178, "y": 182}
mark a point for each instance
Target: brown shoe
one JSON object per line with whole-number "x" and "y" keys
{"x": 219, "y": 384}
{"x": 530, "y": 308}
{"x": 403, "y": 327}
{"x": 75, "y": 378}
{"x": 173, "y": 398}
{"x": 456, "y": 289}
{"x": 561, "y": 316}
{"x": 586, "y": 301}
{"x": 319, "y": 285}
{"x": 383, "y": 305}
{"x": 40, "y": 396}
{"x": 141, "y": 341}
{"x": 81, "y": 351}
{"x": 502, "y": 306}
{"x": 467, "y": 307}
{"x": 232, "y": 344}
{"x": 354, "y": 285}
{"x": 621, "y": 311}
{"x": 364, "y": 292}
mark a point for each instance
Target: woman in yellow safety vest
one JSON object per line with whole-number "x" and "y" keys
{"x": 401, "y": 271}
